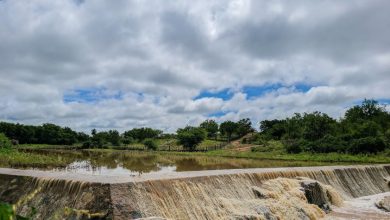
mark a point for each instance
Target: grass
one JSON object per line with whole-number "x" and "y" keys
{"x": 164, "y": 144}
{"x": 272, "y": 150}
{"x": 15, "y": 158}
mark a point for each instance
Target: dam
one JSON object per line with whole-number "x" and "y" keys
{"x": 328, "y": 192}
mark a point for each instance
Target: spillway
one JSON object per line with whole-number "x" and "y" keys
{"x": 272, "y": 193}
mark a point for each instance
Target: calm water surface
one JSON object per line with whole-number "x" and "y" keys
{"x": 136, "y": 163}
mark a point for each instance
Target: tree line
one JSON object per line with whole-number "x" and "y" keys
{"x": 365, "y": 128}
{"x": 189, "y": 137}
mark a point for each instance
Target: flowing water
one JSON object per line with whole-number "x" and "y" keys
{"x": 274, "y": 193}
{"x": 131, "y": 185}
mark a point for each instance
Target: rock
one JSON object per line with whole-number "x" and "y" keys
{"x": 316, "y": 194}
{"x": 260, "y": 193}
{"x": 384, "y": 203}
{"x": 387, "y": 181}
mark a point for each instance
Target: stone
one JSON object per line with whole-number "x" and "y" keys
{"x": 316, "y": 194}
{"x": 384, "y": 203}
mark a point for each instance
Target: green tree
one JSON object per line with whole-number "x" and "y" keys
{"x": 293, "y": 127}
{"x": 211, "y": 128}
{"x": 316, "y": 125}
{"x": 150, "y": 144}
{"x": 190, "y": 137}
{"x": 228, "y": 128}
{"x": 141, "y": 134}
{"x": 4, "y": 141}
{"x": 114, "y": 138}
{"x": 273, "y": 129}
{"x": 244, "y": 126}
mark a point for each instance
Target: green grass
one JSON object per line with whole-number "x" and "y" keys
{"x": 323, "y": 157}
{"x": 271, "y": 150}
{"x": 14, "y": 158}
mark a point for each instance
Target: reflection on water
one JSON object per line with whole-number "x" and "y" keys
{"x": 135, "y": 163}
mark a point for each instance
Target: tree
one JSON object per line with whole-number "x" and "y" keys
{"x": 228, "y": 128}
{"x": 274, "y": 129}
{"x": 293, "y": 127}
{"x": 316, "y": 125}
{"x": 190, "y": 137}
{"x": 114, "y": 138}
{"x": 141, "y": 134}
{"x": 368, "y": 110}
{"x": 4, "y": 141}
{"x": 211, "y": 128}
{"x": 150, "y": 144}
{"x": 244, "y": 126}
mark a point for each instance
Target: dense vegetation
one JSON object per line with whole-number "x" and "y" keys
{"x": 365, "y": 128}
{"x": 189, "y": 137}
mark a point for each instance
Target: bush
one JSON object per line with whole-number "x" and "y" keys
{"x": 150, "y": 144}
{"x": 326, "y": 144}
{"x": 190, "y": 137}
{"x": 367, "y": 145}
{"x": 128, "y": 140}
{"x": 293, "y": 146}
{"x": 86, "y": 145}
{"x": 4, "y": 141}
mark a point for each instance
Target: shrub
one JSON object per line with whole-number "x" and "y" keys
{"x": 4, "y": 141}
{"x": 190, "y": 137}
{"x": 86, "y": 145}
{"x": 128, "y": 140}
{"x": 326, "y": 144}
{"x": 293, "y": 146}
{"x": 367, "y": 145}
{"x": 150, "y": 144}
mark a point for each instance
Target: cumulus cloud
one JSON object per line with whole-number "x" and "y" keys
{"x": 123, "y": 64}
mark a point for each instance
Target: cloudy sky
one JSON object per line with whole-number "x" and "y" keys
{"x": 165, "y": 64}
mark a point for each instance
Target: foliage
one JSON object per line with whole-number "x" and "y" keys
{"x": 228, "y": 128}
{"x": 4, "y": 141}
{"x": 190, "y": 137}
{"x": 273, "y": 129}
{"x": 244, "y": 126}
{"x": 364, "y": 129}
{"x": 43, "y": 134}
{"x": 103, "y": 138}
{"x": 211, "y": 127}
{"x": 293, "y": 146}
{"x": 6, "y": 211}
{"x": 141, "y": 134}
{"x": 150, "y": 144}
{"x": 367, "y": 145}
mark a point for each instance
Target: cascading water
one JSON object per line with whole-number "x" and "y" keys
{"x": 247, "y": 194}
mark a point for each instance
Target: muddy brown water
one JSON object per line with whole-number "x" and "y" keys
{"x": 125, "y": 163}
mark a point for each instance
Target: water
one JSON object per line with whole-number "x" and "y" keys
{"x": 132, "y": 163}
{"x": 274, "y": 193}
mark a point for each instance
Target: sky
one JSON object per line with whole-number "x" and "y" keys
{"x": 167, "y": 64}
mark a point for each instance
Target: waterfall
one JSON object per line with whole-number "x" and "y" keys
{"x": 232, "y": 196}
{"x": 248, "y": 194}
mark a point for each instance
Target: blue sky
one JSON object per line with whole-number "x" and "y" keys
{"x": 90, "y": 95}
{"x": 252, "y": 92}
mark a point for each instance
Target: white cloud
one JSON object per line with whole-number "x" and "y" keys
{"x": 160, "y": 55}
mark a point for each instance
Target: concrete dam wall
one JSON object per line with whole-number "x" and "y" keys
{"x": 275, "y": 193}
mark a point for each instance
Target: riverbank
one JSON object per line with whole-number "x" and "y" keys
{"x": 16, "y": 158}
